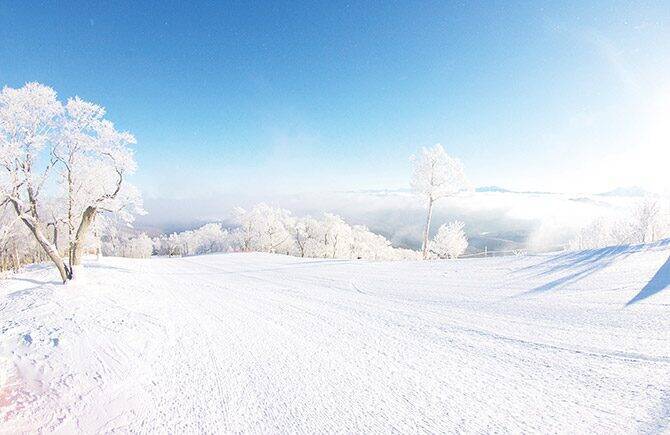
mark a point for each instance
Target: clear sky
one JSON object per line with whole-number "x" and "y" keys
{"x": 310, "y": 96}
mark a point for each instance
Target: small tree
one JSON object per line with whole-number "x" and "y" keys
{"x": 435, "y": 176}
{"x": 647, "y": 220}
{"x": 301, "y": 235}
{"x": 450, "y": 240}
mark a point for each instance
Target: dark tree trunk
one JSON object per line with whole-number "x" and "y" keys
{"x": 78, "y": 247}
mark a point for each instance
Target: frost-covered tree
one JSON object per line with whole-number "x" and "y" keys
{"x": 301, "y": 236}
{"x": 647, "y": 222}
{"x": 594, "y": 235}
{"x": 265, "y": 229}
{"x": 207, "y": 239}
{"x": 332, "y": 237}
{"x": 310, "y": 238}
{"x": 122, "y": 242}
{"x": 39, "y": 136}
{"x": 336, "y": 236}
{"x": 450, "y": 240}
{"x": 368, "y": 245}
{"x": 29, "y": 119}
{"x": 436, "y": 175}
{"x": 138, "y": 247}
{"x": 210, "y": 238}
{"x": 95, "y": 158}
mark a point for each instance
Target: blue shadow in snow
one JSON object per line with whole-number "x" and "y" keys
{"x": 581, "y": 264}
{"x": 659, "y": 282}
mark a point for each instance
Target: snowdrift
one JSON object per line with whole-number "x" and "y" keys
{"x": 570, "y": 342}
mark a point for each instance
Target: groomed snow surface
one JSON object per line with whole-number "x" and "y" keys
{"x": 571, "y": 342}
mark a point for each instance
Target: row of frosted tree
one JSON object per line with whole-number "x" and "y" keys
{"x": 269, "y": 229}
{"x": 647, "y": 223}
{"x": 264, "y": 228}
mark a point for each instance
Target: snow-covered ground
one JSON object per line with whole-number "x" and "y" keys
{"x": 571, "y": 342}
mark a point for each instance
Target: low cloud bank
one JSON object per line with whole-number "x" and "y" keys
{"x": 495, "y": 220}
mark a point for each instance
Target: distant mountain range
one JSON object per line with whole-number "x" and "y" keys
{"x": 503, "y": 190}
{"x": 634, "y": 191}
{"x": 631, "y": 191}
{"x": 492, "y": 189}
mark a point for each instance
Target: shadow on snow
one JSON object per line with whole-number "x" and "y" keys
{"x": 584, "y": 263}
{"x": 660, "y": 281}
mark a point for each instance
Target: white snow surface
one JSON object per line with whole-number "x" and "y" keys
{"x": 571, "y": 342}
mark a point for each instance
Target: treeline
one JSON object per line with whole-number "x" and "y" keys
{"x": 264, "y": 228}
{"x": 648, "y": 222}
{"x": 275, "y": 230}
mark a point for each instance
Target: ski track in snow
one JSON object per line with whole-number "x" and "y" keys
{"x": 268, "y": 343}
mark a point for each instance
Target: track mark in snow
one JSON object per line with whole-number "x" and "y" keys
{"x": 266, "y": 343}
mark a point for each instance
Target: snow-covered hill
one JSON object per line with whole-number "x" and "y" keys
{"x": 571, "y": 342}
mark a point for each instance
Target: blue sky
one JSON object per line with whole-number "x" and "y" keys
{"x": 286, "y": 97}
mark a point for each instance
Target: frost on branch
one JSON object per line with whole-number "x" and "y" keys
{"x": 436, "y": 174}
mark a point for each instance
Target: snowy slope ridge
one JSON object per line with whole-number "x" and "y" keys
{"x": 571, "y": 342}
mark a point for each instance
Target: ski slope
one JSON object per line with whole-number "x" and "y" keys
{"x": 571, "y": 342}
